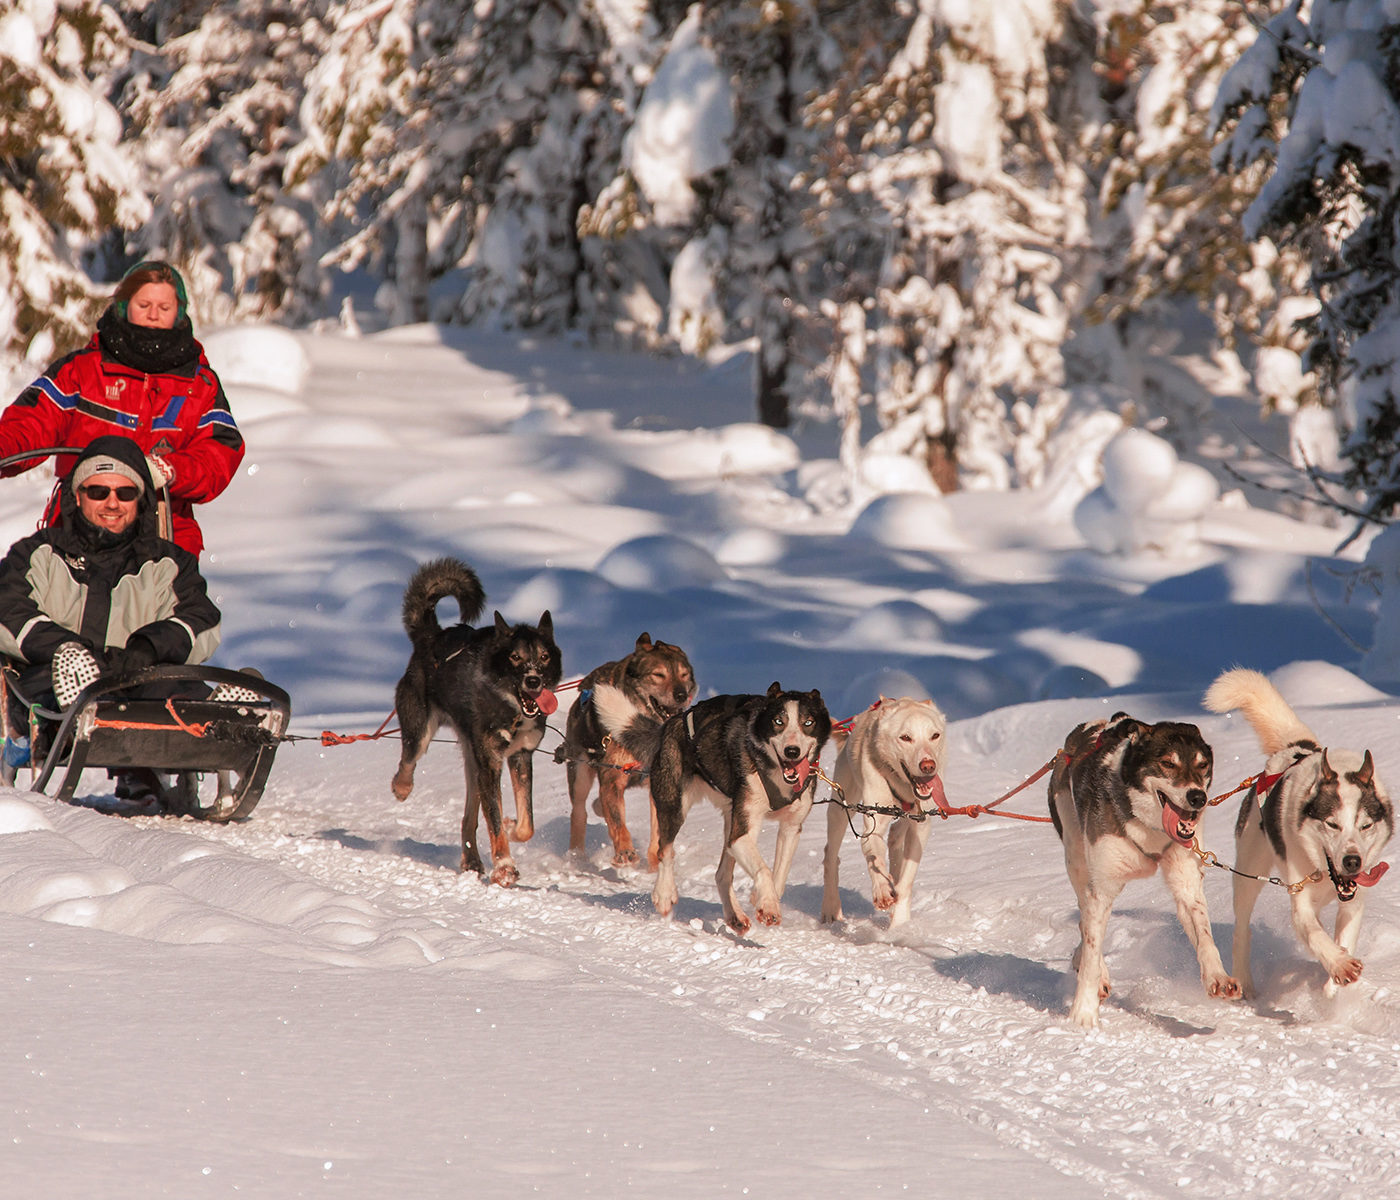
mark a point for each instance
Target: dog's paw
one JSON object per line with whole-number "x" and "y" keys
{"x": 738, "y": 922}
{"x": 664, "y": 902}
{"x": 518, "y": 831}
{"x": 1224, "y": 987}
{"x": 402, "y": 784}
{"x": 768, "y": 916}
{"x": 832, "y": 914}
{"x": 882, "y": 895}
{"x": 626, "y": 858}
{"x": 505, "y": 874}
{"x": 1085, "y": 1013}
{"x": 1345, "y": 971}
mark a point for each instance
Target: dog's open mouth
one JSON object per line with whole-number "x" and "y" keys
{"x": 796, "y": 774}
{"x": 1177, "y": 825}
{"x": 928, "y": 791}
{"x": 533, "y": 704}
{"x": 1346, "y": 885}
{"x": 661, "y": 709}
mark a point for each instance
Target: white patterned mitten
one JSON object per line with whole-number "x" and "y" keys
{"x": 74, "y": 667}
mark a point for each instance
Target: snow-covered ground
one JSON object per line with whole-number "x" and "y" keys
{"x": 314, "y": 1002}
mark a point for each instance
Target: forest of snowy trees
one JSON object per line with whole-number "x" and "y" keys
{"x": 943, "y": 221}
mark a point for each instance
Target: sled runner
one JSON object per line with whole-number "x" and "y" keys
{"x": 219, "y": 751}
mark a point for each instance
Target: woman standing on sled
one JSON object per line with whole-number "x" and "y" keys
{"x": 142, "y": 376}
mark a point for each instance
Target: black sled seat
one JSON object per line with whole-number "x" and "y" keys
{"x": 231, "y": 741}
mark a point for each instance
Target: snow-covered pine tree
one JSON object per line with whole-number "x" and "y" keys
{"x": 65, "y": 180}
{"x": 773, "y": 55}
{"x": 1171, "y": 224}
{"x": 1316, "y": 99}
{"x": 213, "y": 105}
{"x": 952, "y": 197}
{"x": 463, "y": 142}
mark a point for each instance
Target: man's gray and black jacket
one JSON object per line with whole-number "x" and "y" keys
{"x": 132, "y": 598}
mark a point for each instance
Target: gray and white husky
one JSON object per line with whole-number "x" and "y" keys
{"x": 1322, "y": 815}
{"x": 754, "y": 757}
{"x": 1126, "y": 798}
{"x": 893, "y": 759}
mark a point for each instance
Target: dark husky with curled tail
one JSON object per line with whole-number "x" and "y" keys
{"x": 493, "y": 687}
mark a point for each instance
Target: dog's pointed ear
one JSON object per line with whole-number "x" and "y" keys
{"x": 546, "y": 625}
{"x": 816, "y": 695}
{"x": 1328, "y": 775}
{"x": 502, "y": 627}
{"x": 644, "y": 642}
{"x": 1366, "y": 771}
{"x": 775, "y": 688}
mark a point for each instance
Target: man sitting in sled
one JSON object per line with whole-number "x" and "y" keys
{"x": 102, "y": 592}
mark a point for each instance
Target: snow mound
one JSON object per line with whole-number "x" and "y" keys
{"x": 751, "y": 548}
{"x": 883, "y": 473}
{"x": 661, "y": 563}
{"x": 258, "y": 356}
{"x": 894, "y": 621}
{"x": 353, "y": 574}
{"x": 1318, "y": 684}
{"x": 863, "y": 691}
{"x": 587, "y": 598}
{"x": 907, "y": 521}
{"x": 1070, "y": 682}
{"x": 740, "y": 449}
{"x": 18, "y": 815}
{"x": 1149, "y": 500}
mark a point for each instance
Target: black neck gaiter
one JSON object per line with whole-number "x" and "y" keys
{"x": 151, "y": 351}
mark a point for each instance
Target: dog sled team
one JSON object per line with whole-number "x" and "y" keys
{"x": 1126, "y": 797}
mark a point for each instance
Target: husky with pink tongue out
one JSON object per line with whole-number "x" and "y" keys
{"x": 890, "y": 772}
{"x": 1126, "y": 798}
{"x": 1321, "y": 817}
{"x": 753, "y": 757}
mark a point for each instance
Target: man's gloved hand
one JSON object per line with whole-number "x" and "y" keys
{"x": 74, "y": 667}
{"x": 137, "y": 653}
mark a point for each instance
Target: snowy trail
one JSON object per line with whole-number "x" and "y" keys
{"x": 964, "y": 1010}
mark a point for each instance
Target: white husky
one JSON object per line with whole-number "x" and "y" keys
{"x": 1322, "y": 814}
{"x": 892, "y": 760}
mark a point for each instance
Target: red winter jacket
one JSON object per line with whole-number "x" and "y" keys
{"x": 177, "y": 411}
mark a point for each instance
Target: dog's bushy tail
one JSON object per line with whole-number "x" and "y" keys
{"x": 639, "y": 732}
{"x": 434, "y": 581}
{"x": 1274, "y": 722}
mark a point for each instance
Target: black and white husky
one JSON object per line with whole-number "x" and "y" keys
{"x": 491, "y": 686}
{"x": 753, "y": 757}
{"x": 1322, "y": 815}
{"x": 1125, "y": 798}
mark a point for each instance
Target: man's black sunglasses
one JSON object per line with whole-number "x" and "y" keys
{"x": 100, "y": 491}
